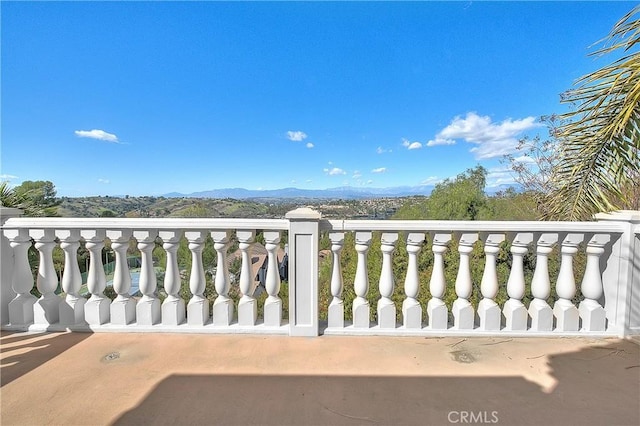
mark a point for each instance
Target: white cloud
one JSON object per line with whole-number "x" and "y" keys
{"x": 499, "y": 176}
{"x": 440, "y": 141}
{"x": 411, "y": 145}
{"x": 296, "y": 135}
{"x": 335, "y": 171}
{"x": 431, "y": 180}
{"x": 104, "y": 181}
{"x": 8, "y": 177}
{"x": 381, "y": 150}
{"x": 309, "y": 145}
{"x": 356, "y": 175}
{"x": 97, "y": 134}
{"x": 492, "y": 139}
{"x": 379, "y": 170}
{"x": 369, "y": 182}
{"x": 524, "y": 159}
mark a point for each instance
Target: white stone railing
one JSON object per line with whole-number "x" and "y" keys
{"x": 52, "y": 312}
{"x": 610, "y": 288}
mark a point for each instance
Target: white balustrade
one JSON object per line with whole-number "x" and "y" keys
{"x": 565, "y": 312}
{"x": 411, "y": 309}
{"x": 539, "y": 310}
{"x": 608, "y": 287}
{"x": 148, "y": 311}
{"x": 222, "y": 305}
{"x": 273, "y": 304}
{"x": 72, "y": 307}
{"x": 462, "y": 310}
{"x": 360, "y": 307}
{"x": 336, "y": 307}
{"x": 247, "y": 306}
{"x": 386, "y": 309}
{"x": 21, "y": 307}
{"x": 436, "y": 309}
{"x": 591, "y": 312}
{"x": 514, "y": 311}
{"x": 488, "y": 310}
{"x": 198, "y": 306}
{"x": 97, "y": 308}
{"x": 173, "y": 308}
{"x": 123, "y": 307}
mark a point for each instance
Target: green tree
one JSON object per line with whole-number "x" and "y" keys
{"x": 460, "y": 199}
{"x": 36, "y": 198}
{"x": 108, "y": 213}
{"x": 599, "y": 162}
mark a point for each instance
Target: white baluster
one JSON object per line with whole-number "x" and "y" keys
{"x": 386, "y": 307}
{"x": 336, "y": 308}
{"x": 247, "y": 306}
{"x": 72, "y": 307}
{"x": 148, "y": 311}
{"x": 591, "y": 312}
{"x": 198, "y": 306}
{"x": 488, "y": 310}
{"x": 96, "y": 310}
{"x": 411, "y": 309}
{"x": 360, "y": 307}
{"x": 566, "y": 313}
{"x": 123, "y": 307}
{"x": 46, "y": 309}
{"x": 223, "y": 305}
{"x": 463, "y": 314}
{"x": 173, "y": 308}
{"x": 21, "y": 307}
{"x": 514, "y": 311}
{"x": 273, "y": 304}
{"x": 436, "y": 309}
{"x": 539, "y": 310}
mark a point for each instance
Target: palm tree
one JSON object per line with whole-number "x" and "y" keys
{"x": 9, "y": 197}
{"x": 599, "y": 163}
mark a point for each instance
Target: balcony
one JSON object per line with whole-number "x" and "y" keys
{"x": 557, "y": 350}
{"x": 190, "y": 379}
{"x": 606, "y": 302}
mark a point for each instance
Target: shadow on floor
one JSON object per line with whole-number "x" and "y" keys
{"x": 19, "y": 358}
{"x": 595, "y": 386}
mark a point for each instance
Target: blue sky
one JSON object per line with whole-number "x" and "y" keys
{"x": 146, "y": 98}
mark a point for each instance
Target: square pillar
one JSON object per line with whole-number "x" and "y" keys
{"x": 304, "y": 231}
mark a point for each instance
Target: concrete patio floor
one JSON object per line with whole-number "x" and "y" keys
{"x": 134, "y": 379}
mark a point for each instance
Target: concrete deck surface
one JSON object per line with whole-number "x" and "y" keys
{"x": 136, "y": 379}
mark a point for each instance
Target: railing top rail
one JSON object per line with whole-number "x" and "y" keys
{"x": 326, "y": 225}
{"x": 145, "y": 223}
{"x": 471, "y": 226}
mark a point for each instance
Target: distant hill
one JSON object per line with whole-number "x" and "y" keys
{"x": 344, "y": 192}
{"x": 339, "y": 193}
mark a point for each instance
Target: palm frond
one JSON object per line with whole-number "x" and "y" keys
{"x": 600, "y": 139}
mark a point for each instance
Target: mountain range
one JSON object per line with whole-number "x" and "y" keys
{"x": 343, "y": 192}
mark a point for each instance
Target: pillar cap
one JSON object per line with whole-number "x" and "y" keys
{"x": 304, "y": 213}
{"x": 9, "y": 212}
{"x": 620, "y": 216}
